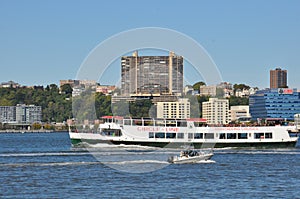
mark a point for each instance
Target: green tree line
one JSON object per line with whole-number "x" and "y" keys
{"x": 57, "y": 103}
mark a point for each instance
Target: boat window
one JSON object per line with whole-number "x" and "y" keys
{"x": 199, "y": 124}
{"x": 268, "y": 135}
{"x": 159, "y": 122}
{"x": 209, "y": 136}
{"x": 242, "y": 135}
{"x": 231, "y": 135}
{"x": 198, "y": 136}
{"x": 259, "y": 136}
{"x": 181, "y": 123}
{"x": 171, "y": 135}
{"x": 160, "y": 135}
{"x": 119, "y": 121}
{"x": 190, "y": 136}
{"x": 180, "y": 135}
{"x": 222, "y": 136}
{"x": 151, "y": 135}
{"x": 137, "y": 123}
{"x": 127, "y": 122}
{"x": 170, "y": 123}
{"x": 111, "y": 132}
{"x": 148, "y": 123}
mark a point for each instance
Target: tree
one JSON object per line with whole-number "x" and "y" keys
{"x": 66, "y": 89}
{"x": 197, "y": 85}
{"x": 140, "y": 108}
{"x": 240, "y": 86}
{"x": 235, "y": 101}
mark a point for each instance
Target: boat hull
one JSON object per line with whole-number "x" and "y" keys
{"x": 287, "y": 144}
{"x": 189, "y": 160}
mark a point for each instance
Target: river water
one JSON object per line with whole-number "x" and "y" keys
{"x": 45, "y": 165}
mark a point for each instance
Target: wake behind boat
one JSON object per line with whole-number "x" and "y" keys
{"x": 174, "y": 133}
{"x": 190, "y": 156}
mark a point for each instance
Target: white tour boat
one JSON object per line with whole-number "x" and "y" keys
{"x": 176, "y": 133}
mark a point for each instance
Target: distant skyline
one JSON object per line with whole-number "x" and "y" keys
{"x": 43, "y": 42}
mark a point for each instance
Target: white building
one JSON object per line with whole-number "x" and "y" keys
{"x": 7, "y": 114}
{"x": 20, "y": 114}
{"x": 77, "y": 91}
{"x": 179, "y": 109}
{"x": 215, "y": 111}
{"x": 28, "y": 114}
{"x": 208, "y": 90}
{"x": 239, "y": 113}
{"x": 245, "y": 92}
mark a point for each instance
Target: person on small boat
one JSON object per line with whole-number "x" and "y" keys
{"x": 188, "y": 153}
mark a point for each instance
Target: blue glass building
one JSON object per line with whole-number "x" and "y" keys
{"x": 281, "y": 103}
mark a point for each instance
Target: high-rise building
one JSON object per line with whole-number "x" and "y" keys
{"x": 278, "y": 78}
{"x": 215, "y": 111}
{"x": 147, "y": 75}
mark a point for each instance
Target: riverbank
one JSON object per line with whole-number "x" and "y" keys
{"x": 27, "y": 131}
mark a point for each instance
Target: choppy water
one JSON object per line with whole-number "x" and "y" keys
{"x": 46, "y": 166}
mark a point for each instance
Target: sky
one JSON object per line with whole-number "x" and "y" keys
{"x": 42, "y": 42}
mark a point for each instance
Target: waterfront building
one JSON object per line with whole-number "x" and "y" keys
{"x": 281, "y": 103}
{"x": 28, "y": 114}
{"x": 20, "y": 114}
{"x": 149, "y": 75}
{"x": 278, "y": 78}
{"x": 239, "y": 113}
{"x": 179, "y": 109}
{"x": 215, "y": 111}
{"x": 7, "y": 114}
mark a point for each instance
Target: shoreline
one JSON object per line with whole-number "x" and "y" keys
{"x": 30, "y": 131}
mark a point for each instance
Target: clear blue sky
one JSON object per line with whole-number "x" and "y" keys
{"x": 42, "y": 42}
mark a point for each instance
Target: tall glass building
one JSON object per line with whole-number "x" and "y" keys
{"x": 142, "y": 75}
{"x": 281, "y": 103}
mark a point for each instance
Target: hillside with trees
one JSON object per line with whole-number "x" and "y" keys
{"x": 57, "y": 103}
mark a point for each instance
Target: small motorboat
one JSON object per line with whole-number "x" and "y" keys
{"x": 190, "y": 156}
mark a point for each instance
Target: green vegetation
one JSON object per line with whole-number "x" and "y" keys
{"x": 236, "y": 101}
{"x": 240, "y": 86}
{"x": 57, "y": 106}
{"x": 197, "y": 85}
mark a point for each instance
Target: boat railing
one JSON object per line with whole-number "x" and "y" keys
{"x": 154, "y": 122}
